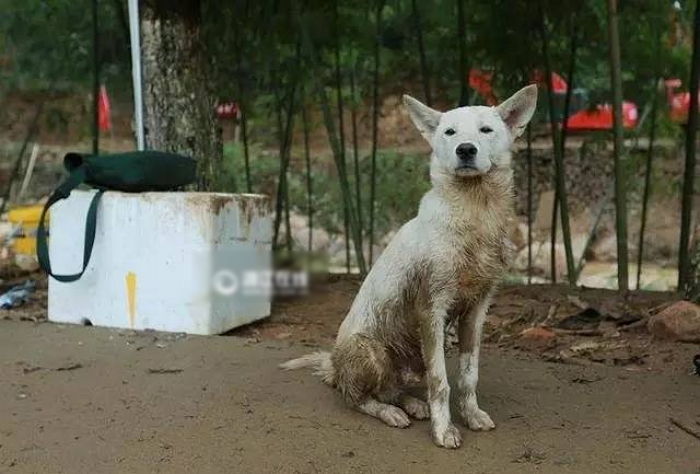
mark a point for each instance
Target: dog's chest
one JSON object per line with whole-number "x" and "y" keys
{"x": 480, "y": 264}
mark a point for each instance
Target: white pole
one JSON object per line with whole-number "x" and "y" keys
{"x": 136, "y": 70}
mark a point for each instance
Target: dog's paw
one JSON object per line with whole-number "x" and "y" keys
{"x": 479, "y": 420}
{"x": 417, "y": 408}
{"x": 449, "y": 437}
{"x": 394, "y": 416}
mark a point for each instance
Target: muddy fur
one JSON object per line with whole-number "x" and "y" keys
{"x": 441, "y": 267}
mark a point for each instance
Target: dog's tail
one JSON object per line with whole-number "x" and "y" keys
{"x": 319, "y": 361}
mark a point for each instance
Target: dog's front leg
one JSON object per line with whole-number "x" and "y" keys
{"x": 444, "y": 433}
{"x": 470, "y": 328}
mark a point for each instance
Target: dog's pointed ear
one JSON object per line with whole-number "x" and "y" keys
{"x": 517, "y": 111}
{"x": 423, "y": 117}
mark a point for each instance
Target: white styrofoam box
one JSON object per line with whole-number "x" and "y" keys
{"x": 199, "y": 263}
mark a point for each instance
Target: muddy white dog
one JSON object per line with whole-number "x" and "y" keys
{"x": 442, "y": 265}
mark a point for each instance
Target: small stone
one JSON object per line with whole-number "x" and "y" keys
{"x": 537, "y": 337}
{"x": 678, "y": 322}
{"x": 537, "y": 333}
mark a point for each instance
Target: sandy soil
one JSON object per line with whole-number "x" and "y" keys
{"x": 84, "y": 399}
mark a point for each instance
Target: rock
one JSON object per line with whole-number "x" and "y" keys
{"x": 299, "y": 225}
{"x": 27, "y": 263}
{"x": 604, "y": 248}
{"x": 678, "y": 322}
{"x": 517, "y": 234}
{"x": 537, "y": 337}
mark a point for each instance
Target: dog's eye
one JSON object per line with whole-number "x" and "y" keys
{"x": 486, "y": 129}
{"x": 450, "y": 131}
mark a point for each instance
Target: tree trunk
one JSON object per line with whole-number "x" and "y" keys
{"x": 690, "y": 148}
{"x": 178, "y": 100}
{"x": 620, "y": 172}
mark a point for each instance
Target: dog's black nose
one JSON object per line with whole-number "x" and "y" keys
{"x": 466, "y": 150}
{"x": 466, "y": 153}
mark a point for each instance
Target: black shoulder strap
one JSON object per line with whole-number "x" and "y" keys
{"x": 62, "y": 192}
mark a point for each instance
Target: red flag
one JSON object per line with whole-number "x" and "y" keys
{"x": 601, "y": 118}
{"x": 104, "y": 112}
{"x": 559, "y": 85}
{"x": 480, "y": 81}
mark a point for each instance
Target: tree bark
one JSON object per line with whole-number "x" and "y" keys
{"x": 620, "y": 172}
{"x": 178, "y": 100}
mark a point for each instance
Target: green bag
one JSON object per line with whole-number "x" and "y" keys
{"x": 134, "y": 172}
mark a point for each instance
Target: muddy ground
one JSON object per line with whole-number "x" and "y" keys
{"x": 605, "y": 398}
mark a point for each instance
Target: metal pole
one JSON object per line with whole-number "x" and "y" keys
{"x": 134, "y": 34}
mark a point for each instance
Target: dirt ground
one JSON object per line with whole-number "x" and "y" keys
{"x": 601, "y": 396}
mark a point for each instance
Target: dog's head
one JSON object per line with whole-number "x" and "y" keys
{"x": 471, "y": 141}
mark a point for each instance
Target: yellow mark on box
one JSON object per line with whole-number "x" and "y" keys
{"x": 131, "y": 297}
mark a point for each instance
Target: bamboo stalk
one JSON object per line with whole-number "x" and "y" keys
{"x": 462, "y": 47}
{"x": 335, "y": 146}
{"x": 559, "y": 169}
{"x": 647, "y": 182}
{"x": 690, "y": 149}
{"x": 95, "y": 79}
{"x": 341, "y": 126}
{"x": 375, "y": 128}
{"x": 424, "y": 69}
{"x": 573, "y": 45}
{"x": 620, "y": 172}
{"x": 246, "y": 150}
{"x": 529, "y": 203}
{"x": 356, "y": 153}
{"x": 285, "y": 146}
{"x": 307, "y": 159}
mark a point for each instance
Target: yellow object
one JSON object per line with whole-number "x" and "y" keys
{"x": 131, "y": 297}
{"x": 28, "y": 218}
{"x": 25, "y": 215}
{"x": 25, "y": 245}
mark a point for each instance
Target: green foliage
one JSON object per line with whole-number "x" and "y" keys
{"x": 251, "y": 44}
{"x": 49, "y": 43}
{"x": 402, "y": 179}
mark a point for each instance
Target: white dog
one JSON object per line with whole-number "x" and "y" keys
{"x": 442, "y": 265}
